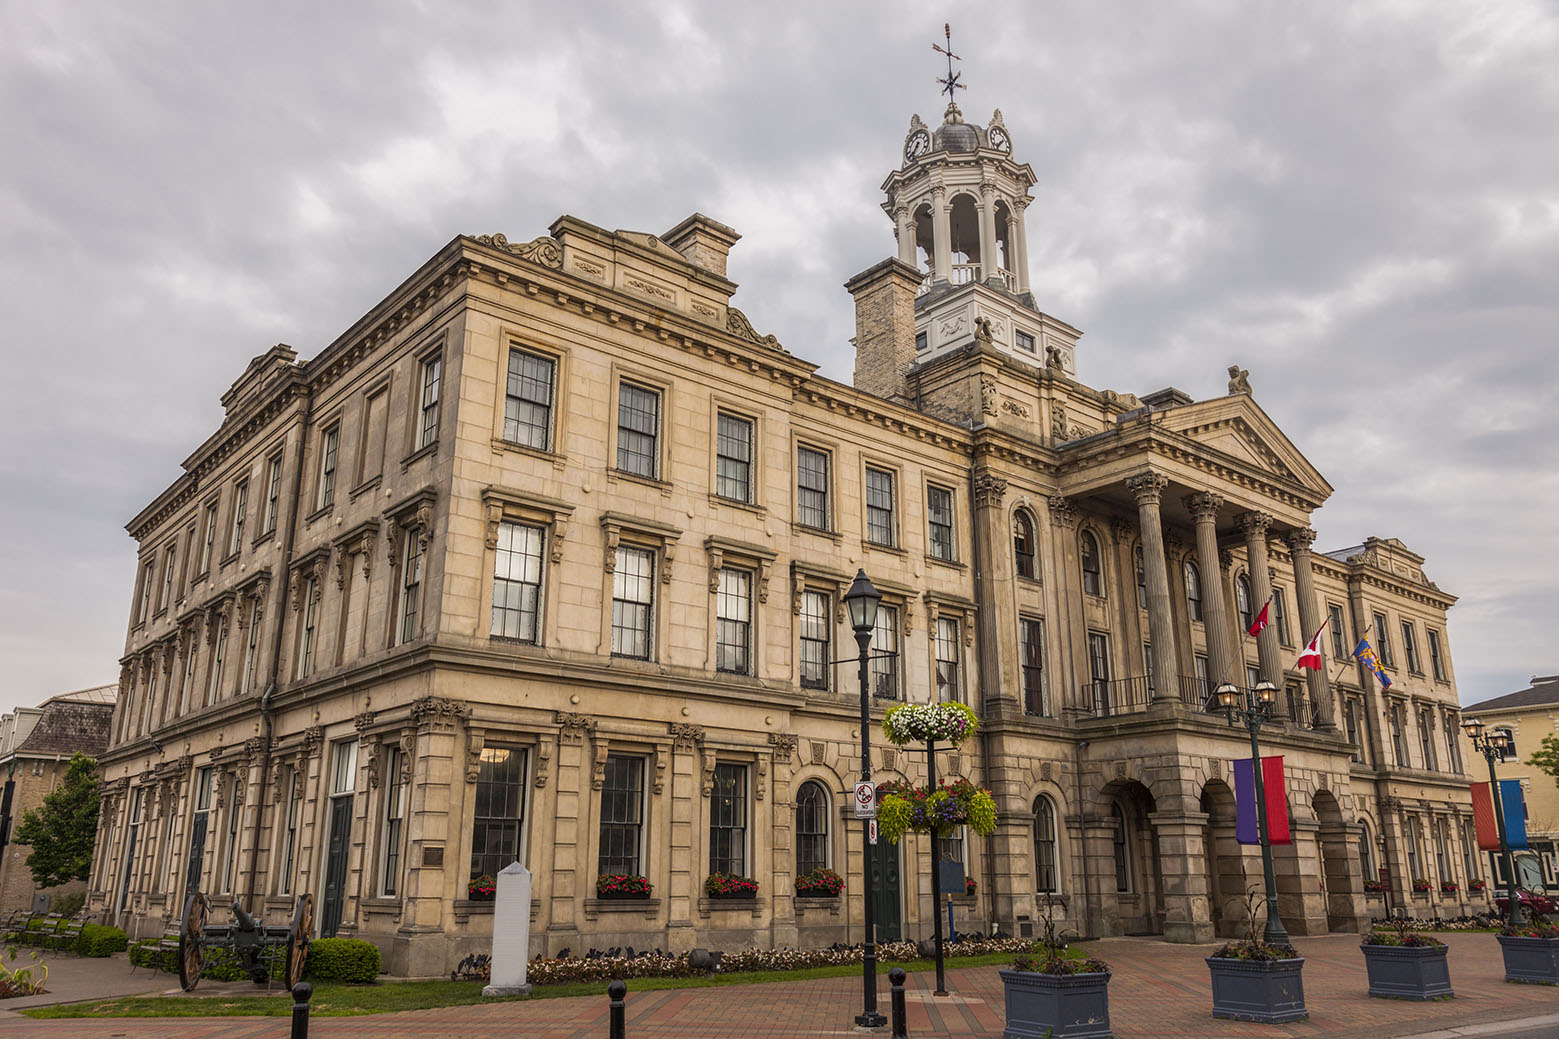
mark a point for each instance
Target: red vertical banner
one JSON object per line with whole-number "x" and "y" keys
{"x": 1483, "y": 818}
{"x": 1277, "y": 800}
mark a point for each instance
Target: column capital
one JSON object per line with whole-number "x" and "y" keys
{"x": 1063, "y": 511}
{"x": 989, "y": 490}
{"x": 1121, "y": 529}
{"x": 1204, "y": 505}
{"x": 938, "y": 193}
{"x": 1147, "y": 487}
{"x": 1299, "y": 539}
{"x": 1253, "y": 524}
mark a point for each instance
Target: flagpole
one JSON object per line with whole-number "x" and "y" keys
{"x": 1239, "y": 650}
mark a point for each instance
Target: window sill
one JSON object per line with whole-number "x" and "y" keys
{"x": 557, "y": 459}
{"x": 737, "y": 503}
{"x": 384, "y": 906}
{"x": 231, "y": 557}
{"x": 649, "y": 908}
{"x": 648, "y": 481}
{"x": 822, "y": 904}
{"x": 323, "y": 510}
{"x": 421, "y": 452}
{"x": 193, "y": 581}
{"x": 951, "y": 564}
{"x": 1025, "y": 579}
{"x": 890, "y": 549}
{"x": 753, "y": 906}
{"x": 821, "y": 532}
{"x": 269, "y": 535}
{"x": 364, "y": 487}
{"x": 465, "y": 908}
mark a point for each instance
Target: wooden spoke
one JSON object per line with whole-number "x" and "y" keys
{"x": 192, "y": 930}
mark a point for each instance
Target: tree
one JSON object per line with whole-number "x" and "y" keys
{"x": 1546, "y": 757}
{"x": 62, "y": 831}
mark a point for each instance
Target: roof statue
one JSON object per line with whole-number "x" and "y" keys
{"x": 1239, "y": 380}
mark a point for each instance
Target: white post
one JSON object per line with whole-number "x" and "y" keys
{"x": 511, "y": 933}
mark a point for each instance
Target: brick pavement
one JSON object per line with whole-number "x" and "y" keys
{"x": 1158, "y": 991}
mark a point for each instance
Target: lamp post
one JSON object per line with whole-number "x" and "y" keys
{"x": 861, "y": 602}
{"x": 1256, "y": 710}
{"x": 1493, "y": 745}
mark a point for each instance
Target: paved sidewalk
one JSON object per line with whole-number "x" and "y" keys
{"x": 1158, "y": 990}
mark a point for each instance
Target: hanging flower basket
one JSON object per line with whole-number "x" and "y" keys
{"x": 950, "y": 723}
{"x": 1478, "y": 885}
{"x": 939, "y": 810}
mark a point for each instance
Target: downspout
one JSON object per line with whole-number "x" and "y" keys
{"x": 985, "y": 744}
{"x": 267, "y": 720}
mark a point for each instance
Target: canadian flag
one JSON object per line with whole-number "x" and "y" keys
{"x": 1311, "y": 657}
{"x": 1261, "y": 619}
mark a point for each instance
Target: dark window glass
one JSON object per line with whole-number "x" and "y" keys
{"x": 733, "y": 622}
{"x": 948, "y": 683}
{"x": 633, "y": 589}
{"x": 1142, "y": 578}
{"x": 1099, "y": 669}
{"x": 728, "y": 821}
{"x": 1410, "y": 648}
{"x": 879, "y": 507}
{"x": 1118, "y": 839}
{"x": 1339, "y": 637}
{"x": 812, "y": 488}
{"x": 815, "y": 630}
{"x": 1034, "y": 699}
{"x": 1193, "y": 590}
{"x": 1045, "y": 846}
{"x": 622, "y": 816}
{"x": 498, "y": 818}
{"x": 1280, "y": 616}
{"x": 1383, "y": 636}
{"x": 1093, "y": 580}
{"x": 1242, "y": 602}
{"x": 884, "y": 659}
{"x": 811, "y": 828}
{"x": 733, "y": 458}
{"x": 1436, "y": 659}
{"x": 527, "y": 405}
{"x": 1023, "y": 544}
{"x": 1026, "y": 344}
{"x": 939, "y": 513}
{"x": 638, "y": 430}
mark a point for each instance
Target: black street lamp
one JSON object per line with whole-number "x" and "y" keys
{"x": 861, "y": 601}
{"x": 1494, "y": 745}
{"x": 1256, "y": 710}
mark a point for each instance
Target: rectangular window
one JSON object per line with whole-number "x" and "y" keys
{"x": 1442, "y": 856}
{"x": 343, "y": 767}
{"x": 394, "y": 810}
{"x": 1032, "y": 634}
{"x": 939, "y": 518}
{"x": 167, "y": 577}
{"x": 733, "y": 458}
{"x": 411, "y": 586}
{"x": 633, "y": 587}
{"x": 272, "y": 495}
{"x": 1204, "y": 687}
{"x": 920, "y": 341}
{"x": 527, "y": 404}
{"x": 240, "y": 513}
{"x": 622, "y": 817}
{"x": 1026, "y": 344}
{"x": 1383, "y": 635}
{"x": 1410, "y": 839}
{"x": 1469, "y": 851}
{"x": 883, "y": 662}
{"x": 815, "y": 641}
{"x": 1410, "y": 649}
{"x": 290, "y": 835}
{"x": 949, "y": 683}
{"x": 198, "y": 822}
{"x": 1339, "y": 637}
{"x": 1426, "y": 738}
{"x": 251, "y": 647}
{"x": 1350, "y": 715}
{"x": 1280, "y": 616}
{"x": 1147, "y": 663}
{"x": 812, "y": 488}
{"x": 1454, "y": 751}
{"x": 144, "y": 610}
{"x": 879, "y": 507}
{"x": 427, "y": 425}
{"x": 638, "y": 430}
{"x": 329, "y": 446}
{"x": 733, "y": 622}
{"x": 209, "y": 543}
{"x": 230, "y": 839}
{"x": 728, "y": 821}
{"x": 218, "y": 651}
{"x": 1252, "y": 676}
{"x": 132, "y": 839}
{"x": 1398, "y": 737}
{"x": 517, "y": 582}
{"x": 1436, "y": 658}
{"x": 188, "y": 681}
{"x": 310, "y": 612}
{"x": 1099, "y": 669}
{"x": 499, "y": 818}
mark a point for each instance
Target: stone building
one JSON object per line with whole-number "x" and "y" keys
{"x": 1528, "y": 715}
{"x": 544, "y": 556}
{"x": 36, "y": 745}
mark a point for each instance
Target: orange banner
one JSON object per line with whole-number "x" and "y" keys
{"x": 1483, "y": 818}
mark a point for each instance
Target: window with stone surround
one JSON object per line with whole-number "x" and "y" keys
{"x": 880, "y": 524}
{"x": 517, "y": 582}
{"x": 168, "y": 557}
{"x": 498, "y": 816}
{"x": 812, "y": 488}
{"x": 1442, "y": 850}
{"x": 1395, "y": 713}
{"x": 410, "y": 599}
{"x": 1121, "y": 848}
{"x": 1426, "y": 737}
{"x": 622, "y": 817}
{"x": 1280, "y": 616}
{"x": 811, "y": 828}
{"x": 1410, "y": 649}
{"x": 1339, "y": 637}
{"x": 1024, "y": 544}
{"x": 246, "y": 681}
{"x": 272, "y": 493}
{"x": 394, "y": 815}
{"x": 528, "y": 395}
{"x": 1350, "y": 716}
{"x": 428, "y": 406}
{"x": 1099, "y": 670}
{"x": 1031, "y": 633}
{"x": 209, "y": 543}
{"x": 638, "y": 430}
{"x": 289, "y": 843}
{"x": 235, "y": 543}
{"x": 310, "y": 607}
{"x": 1453, "y": 743}
{"x": 1366, "y": 851}
{"x": 1243, "y": 602}
{"x": 816, "y": 630}
{"x": 1046, "y": 877}
{"x": 733, "y": 622}
{"x": 1193, "y": 591}
{"x": 633, "y": 591}
{"x": 229, "y": 858}
{"x": 1383, "y": 636}
{"x": 733, "y": 457}
{"x": 330, "y": 445}
{"x": 1410, "y": 838}
{"x": 728, "y": 820}
{"x": 1093, "y": 575}
{"x": 939, "y": 523}
{"x": 1436, "y": 656}
{"x": 1141, "y": 574}
{"x": 144, "y": 610}
{"x": 949, "y": 676}
{"x": 218, "y": 653}
{"x": 883, "y": 658}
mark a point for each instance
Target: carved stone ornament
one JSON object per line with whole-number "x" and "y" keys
{"x": 1299, "y": 539}
{"x": 1063, "y": 512}
{"x": 890, "y": 757}
{"x": 737, "y": 324}
{"x": 989, "y": 490}
{"x": 543, "y": 763}
{"x": 1239, "y": 380}
{"x": 1204, "y": 505}
{"x": 363, "y": 721}
{"x": 278, "y": 791}
{"x": 1012, "y": 407}
{"x": 1147, "y": 487}
{"x": 313, "y": 736}
{"x": 1058, "y": 421}
{"x": 217, "y": 617}
{"x": 1215, "y": 769}
{"x": 684, "y": 735}
{"x": 544, "y": 251}
{"x": 952, "y": 326}
{"x": 668, "y": 552}
{"x": 372, "y": 762}
{"x": 365, "y": 550}
{"x": 609, "y": 553}
{"x": 254, "y": 747}
{"x": 1047, "y": 771}
{"x": 982, "y": 335}
{"x": 573, "y": 726}
{"x": 784, "y": 745}
{"x": 438, "y": 712}
{"x": 762, "y": 784}
{"x": 343, "y": 566}
{"x": 818, "y": 751}
{"x": 710, "y": 760}
{"x": 477, "y": 741}
{"x": 1054, "y": 359}
{"x": 660, "y": 757}
{"x": 798, "y": 587}
{"x": 598, "y": 766}
{"x": 1253, "y": 524}
{"x": 408, "y": 749}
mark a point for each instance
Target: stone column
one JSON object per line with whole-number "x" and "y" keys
{"x": 1299, "y": 871}
{"x": 993, "y": 591}
{"x": 1254, "y": 526}
{"x": 435, "y": 870}
{"x": 1299, "y": 541}
{"x": 1182, "y": 856}
{"x": 1204, "y": 507}
{"x": 1147, "y": 488}
{"x": 906, "y": 231}
{"x": 941, "y": 236}
{"x": 1017, "y": 236}
{"x": 989, "y": 263}
{"x": 687, "y": 742}
{"x": 1063, "y": 588}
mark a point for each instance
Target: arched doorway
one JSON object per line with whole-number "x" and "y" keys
{"x": 1225, "y": 859}
{"x": 1334, "y": 849}
{"x": 1135, "y": 875}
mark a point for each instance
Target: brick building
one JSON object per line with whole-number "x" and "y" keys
{"x": 543, "y": 558}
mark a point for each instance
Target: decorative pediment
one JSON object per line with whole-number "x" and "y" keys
{"x": 1238, "y": 429}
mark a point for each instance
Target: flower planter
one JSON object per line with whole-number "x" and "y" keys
{"x": 1269, "y": 991}
{"x": 1058, "y": 1006}
{"x": 623, "y": 896}
{"x": 1407, "y": 971}
{"x": 735, "y": 896}
{"x": 1532, "y": 961}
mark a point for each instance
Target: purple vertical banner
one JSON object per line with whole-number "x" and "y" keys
{"x": 1245, "y": 829}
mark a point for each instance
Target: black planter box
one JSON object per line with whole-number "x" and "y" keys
{"x": 1531, "y": 961}
{"x": 1407, "y": 971}
{"x": 735, "y": 895}
{"x": 1269, "y": 991}
{"x": 623, "y": 896}
{"x": 1056, "y": 1006}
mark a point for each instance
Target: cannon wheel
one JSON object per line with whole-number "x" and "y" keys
{"x": 192, "y": 932}
{"x": 298, "y": 939}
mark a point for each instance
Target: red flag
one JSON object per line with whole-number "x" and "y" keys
{"x": 1277, "y": 801}
{"x": 1483, "y": 818}
{"x": 1311, "y": 657}
{"x": 1261, "y": 618}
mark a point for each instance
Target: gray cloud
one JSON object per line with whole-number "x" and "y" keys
{"x": 1355, "y": 203}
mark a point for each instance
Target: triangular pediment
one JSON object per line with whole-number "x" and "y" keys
{"x": 1236, "y": 428}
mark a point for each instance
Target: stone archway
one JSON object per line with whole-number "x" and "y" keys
{"x": 1225, "y": 861}
{"x": 1341, "y": 877}
{"x": 1132, "y": 872}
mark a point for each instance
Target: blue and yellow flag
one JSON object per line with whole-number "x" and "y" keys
{"x": 1366, "y": 653}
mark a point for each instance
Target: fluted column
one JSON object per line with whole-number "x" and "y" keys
{"x": 1299, "y": 542}
{"x": 1147, "y": 489}
{"x": 941, "y": 236}
{"x": 906, "y": 229}
{"x": 1017, "y": 237}
{"x": 988, "y": 260}
{"x": 1215, "y": 618}
{"x": 1254, "y": 526}
{"x": 1065, "y": 591}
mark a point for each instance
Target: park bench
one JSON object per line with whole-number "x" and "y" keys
{"x": 67, "y": 930}
{"x": 15, "y": 924}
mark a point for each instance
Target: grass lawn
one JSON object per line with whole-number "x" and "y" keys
{"x": 333, "y": 999}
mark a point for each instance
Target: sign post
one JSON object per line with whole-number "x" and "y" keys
{"x": 865, "y": 800}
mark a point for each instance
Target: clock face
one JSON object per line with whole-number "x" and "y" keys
{"x": 999, "y": 140}
{"x": 918, "y": 144}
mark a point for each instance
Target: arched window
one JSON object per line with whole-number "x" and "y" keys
{"x": 1045, "y": 877}
{"x": 1122, "y": 863}
{"x": 1366, "y": 850}
{"x": 1142, "y": 578}
{"x": 1242, "y": 599}
{"x": 1193, "y": 590}
{"x": 1093, "y": 580}
{"x": 811, "y": 828}
{"x": 1023, "y": 543}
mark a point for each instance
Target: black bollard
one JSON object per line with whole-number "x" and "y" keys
{"x": 302, "y": 992}
{"x": 617, "y": 1024}
{"x": 900, "y": 1017}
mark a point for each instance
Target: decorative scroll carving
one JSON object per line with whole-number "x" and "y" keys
{"x": 543, "y": 763}
{"x": 574, "y": 727}
{"x": 1253, "y": 524}
{"x": 763, "y": 778}
{"x": 784, "y": 745}
{"x": 716, "y": 564}
{"x": 709, "y": 771}
{"x": 798, "y": 587}
{"x": 818, "y": 751}
{"x": 987, "y": 384}
{"x": 1012, "y": 407}
{"x": 365, "y": 549}
{"x": 254, "y": 747}
{"x": 668, "y": 553}
{"x": 476, "y": 741}
{"x": 609, "y": 555}
{"x": 217, "y": 616}
{"x": 1120, "y": 529}
{"x": 1299, "y": 539}
{"x": 598, "y": 766}
{"x": 544, "y": 251}
{"x": 408, "y": 747}
{"x": 313, "y": 737}
{"x": 1063, "y": 511}
{"x": 684, "y": 735}
{"x": 660, "y": 756}
{"x": 1204, "y": 505}
{"x": 438, "y": 712}
{"x": 1147, "y": 487}
{"x": 371, "y": 765}
{"x": 278, "y": 791}
{"x": 989, "y": 490}
{"x": 364, "y": 721}
{"x": 343, "y": 566}
{"x": 737, "y": 324}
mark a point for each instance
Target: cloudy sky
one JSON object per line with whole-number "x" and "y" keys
{"x": 1358, "y": 202}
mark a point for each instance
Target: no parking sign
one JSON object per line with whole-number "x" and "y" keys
{"x": 865, "y": 800}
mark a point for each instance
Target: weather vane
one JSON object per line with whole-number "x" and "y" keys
{"x": 951, "y": 83}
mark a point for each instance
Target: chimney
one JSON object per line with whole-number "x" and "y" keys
{"x": 884, "y": 327}
{"x": 706, "y": 243}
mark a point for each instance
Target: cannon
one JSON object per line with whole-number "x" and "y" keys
{"x": 258, "y": 947}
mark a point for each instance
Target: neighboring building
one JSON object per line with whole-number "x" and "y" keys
{"x": 36, "y": 745}
{"x": 544, "y": 557}
{"x": 1528, "y": 715}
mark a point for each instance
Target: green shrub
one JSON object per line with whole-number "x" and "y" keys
{"x": 99, "y": 941}
{"x": 68, "y": 905}
{"x": 220, "y": 965}
{"x": 146, "y": 954}
{"x": 343, "y": 959}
